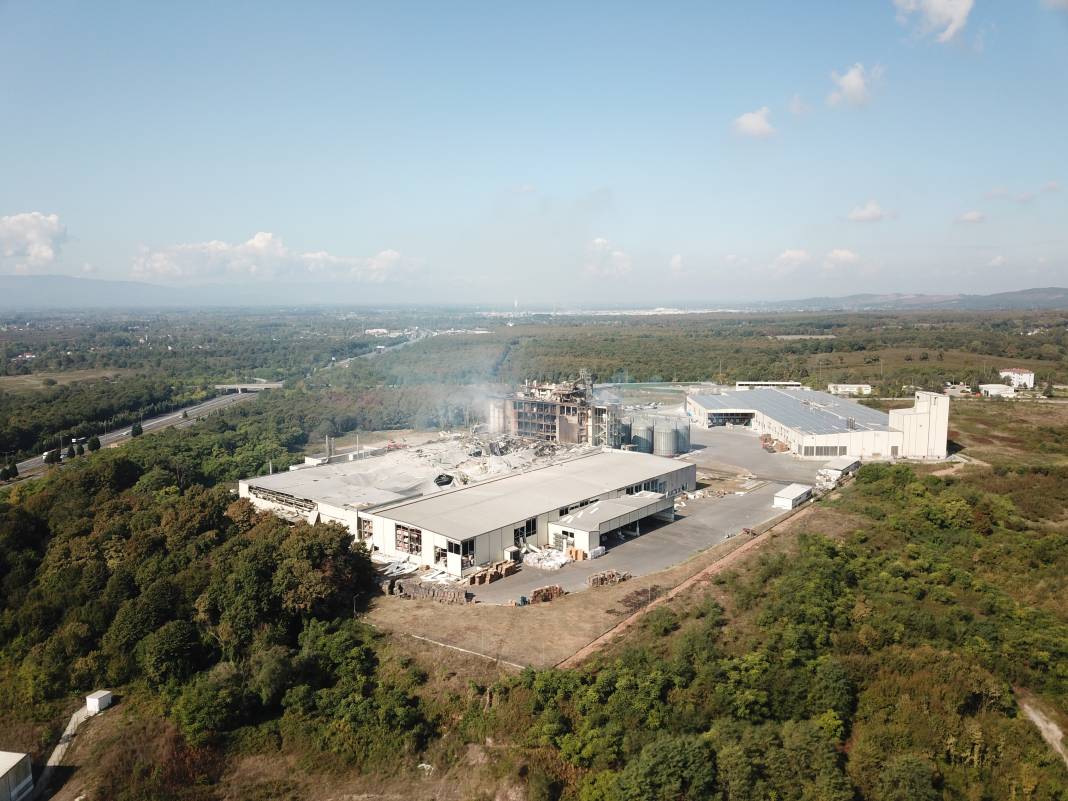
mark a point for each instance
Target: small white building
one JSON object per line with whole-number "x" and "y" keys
{"x": 839, "y": 468}
{"x": 849, "y": 389}
{"x": 16, "y": 776}
{"x": 98, "y": 701}
{"x": 792, "y": 496}
{"x": 1018, "y": 377}
{"x": 997, "y": 391}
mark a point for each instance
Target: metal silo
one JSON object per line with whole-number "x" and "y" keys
{"x": 682, "y": 437}
{"x": 642, "y": 437}
{"x": 664, "y": 440}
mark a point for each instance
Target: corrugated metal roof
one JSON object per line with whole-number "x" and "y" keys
{"x": 471, "y": 510}
{"x": 793, "y": 491}
{"x": 806, "y": 410}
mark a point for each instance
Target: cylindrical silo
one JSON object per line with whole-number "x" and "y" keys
{"x": 664, "y": 443}
{"x": 624, "y": 431}
{"x": 642, "y": 437}
{"x": 682, "y": 436}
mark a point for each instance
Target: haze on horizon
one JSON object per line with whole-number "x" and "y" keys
{"x": 553, "y": 153}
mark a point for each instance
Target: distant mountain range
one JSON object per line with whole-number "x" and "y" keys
{"x": 61, "y": 292}
{"x": 1039, "y": 298}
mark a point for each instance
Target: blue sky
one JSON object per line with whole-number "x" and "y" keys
{"x": 556, "y": 152}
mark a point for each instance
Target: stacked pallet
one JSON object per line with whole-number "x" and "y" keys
{"x": 542, "y": 595}
{"x": 607, "y": 577}
{"x": 497, "y": 570}
{"x": 431, "y": 591}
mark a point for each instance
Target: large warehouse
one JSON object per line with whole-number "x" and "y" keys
{"x": 817, "y": 425}
{"x": 570, "y": 503}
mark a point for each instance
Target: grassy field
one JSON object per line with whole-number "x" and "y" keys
{"x": 24, "y": 383}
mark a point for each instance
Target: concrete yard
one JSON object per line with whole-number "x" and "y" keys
{"x": 737, "y": 450}
{"x": 700, "y": 525}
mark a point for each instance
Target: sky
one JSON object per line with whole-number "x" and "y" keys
{"x": 539, "y": 153}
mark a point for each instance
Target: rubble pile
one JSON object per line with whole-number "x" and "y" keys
{"x": 549, "y": 559}
{"x": 607, "y": 578}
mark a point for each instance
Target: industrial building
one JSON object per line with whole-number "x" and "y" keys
{"x": 1019, "y": 377}
{"x": 16, "y": 776}
{"x": 849, "y": 389}
{"x": 565, "y": 413}
{"x": 817, "y": 425}
{"x": 570, "y": 504}
{"x": 432, "y": 507}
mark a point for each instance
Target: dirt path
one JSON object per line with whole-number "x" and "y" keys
{"x": 1049, "y": 730}
{"x": 957, "y": 466}
{"x": 724, "y": 563}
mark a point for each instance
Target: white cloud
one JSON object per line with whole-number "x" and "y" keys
{"x": 869, "y": 212}
{"x": 755, "y": 123}
{"x": 798, "y": 106}
{"x": 971, "y": 217}
{"x": 676, "y": 266}
{"x": 841, "y": 257}
{"x": 603, "y": 260}
{"x": 997, "y": 261}
{"x": 792, "y": 259}
{"x": 30, "y": 240}
{"x": 1058, "y": 4}
{"x": 265, "y": 256}
{"x": 855, "y": 85}
{"x": 947, "y": 17}
{"x": 1053, "y": 186}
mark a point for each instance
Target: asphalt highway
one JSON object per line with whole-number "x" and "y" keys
{"x": 167, "y": 420}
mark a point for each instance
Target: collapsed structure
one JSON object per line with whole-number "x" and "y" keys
{"x": 817, "y": 425}
{"x": 430, "y": 513}
{"x": 565, "y": 413}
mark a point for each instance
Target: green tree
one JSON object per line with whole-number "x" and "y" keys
{"x": 93, "y": 444}
{"x": 907, "y": 777}
{"x": 51, "y": 457}
{"x": 80, "y": 449}
{"x": 136, "y": 430}
{"x": 670, "y": 768}
{"x": 170, "y": 652}
{"x": 71, "y": 453}
{"x": 13, "y": 469}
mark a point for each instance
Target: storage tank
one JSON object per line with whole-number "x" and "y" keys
{"x": 664, "y": 440}
{"x": 682, "y": 437}
{"x": 624, "y": 432}
{"x": 642, "y": 437}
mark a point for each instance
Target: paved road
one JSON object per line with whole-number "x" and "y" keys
{"x": 701, "y": 524}
{"x": 156, "y": 423}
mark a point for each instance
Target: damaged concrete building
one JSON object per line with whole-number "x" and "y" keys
{"x": 565, "y": 413}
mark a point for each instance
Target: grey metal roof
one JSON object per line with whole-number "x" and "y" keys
{"x": 807, "y": 410}
{"x": 489, "y": 505}
{"x": 793, "y": 491}
{"x": 590, "y": 518}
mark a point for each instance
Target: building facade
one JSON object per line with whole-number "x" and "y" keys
{"x": 565, "y": 413}
{"x": 1018, "y": 377}
{"x": 574, "y": 503}
{"x": 817, "y": 425}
